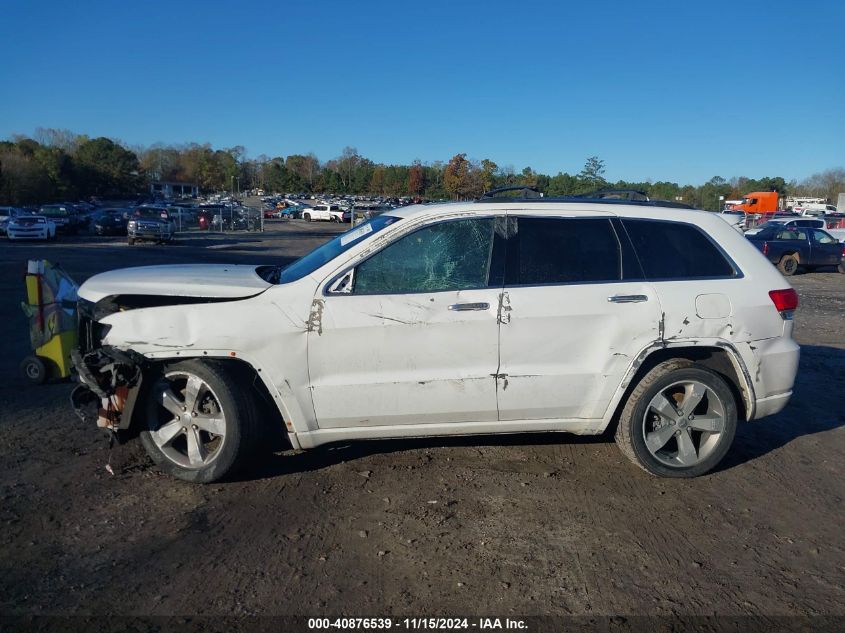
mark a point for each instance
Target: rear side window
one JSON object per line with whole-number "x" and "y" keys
{"x": 791, "y": 234}
{"x": 673, "y": 250}
{"x": 562, "y": 250}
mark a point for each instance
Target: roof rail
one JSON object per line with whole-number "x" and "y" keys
{"x": 604, "y": 196}
{"x": 617, "y": 194}
{"x": 528, "y": 192}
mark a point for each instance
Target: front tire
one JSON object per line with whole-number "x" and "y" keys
{"x": 200, "y": 423}
{"x": 679, "y": 421}
{"x": 307, "y": 217}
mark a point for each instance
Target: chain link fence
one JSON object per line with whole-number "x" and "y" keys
{"x": 218, "y": 219}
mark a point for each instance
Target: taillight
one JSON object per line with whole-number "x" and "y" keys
{"x": 765, "y": 248}
{"x": 786, "y": 301}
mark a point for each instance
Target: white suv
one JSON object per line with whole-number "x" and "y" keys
{"x": 458, "y": 319}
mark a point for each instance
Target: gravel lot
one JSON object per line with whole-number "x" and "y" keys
{"x": 537, "y": 524}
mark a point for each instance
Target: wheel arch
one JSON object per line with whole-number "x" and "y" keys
{"x": 271, "y": 408}
{"x": 719, "y": 357}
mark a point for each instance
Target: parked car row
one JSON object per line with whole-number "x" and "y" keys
{"x": 62, "y": 218}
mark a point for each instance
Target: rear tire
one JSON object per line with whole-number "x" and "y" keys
{"x": 200, "y": 421}
{"x": 788, "y": 265}
{"x": 307, "y": 217}
{"x": 659, "y": 436}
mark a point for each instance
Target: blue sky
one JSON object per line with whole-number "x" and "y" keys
{"x": 676, "y": 91}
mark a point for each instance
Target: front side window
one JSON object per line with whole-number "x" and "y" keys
{"x": 323, "y": 254}
{"x": 450, "y": 255}
{"x": 563, "y": 250}
{"x": 674, "y": 250}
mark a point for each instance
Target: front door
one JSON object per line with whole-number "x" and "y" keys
{"x": 416, "y": 340}
{"x": 826, "y": 251}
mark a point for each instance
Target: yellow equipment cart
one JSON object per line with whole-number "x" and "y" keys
{"x": 51, "y": 308}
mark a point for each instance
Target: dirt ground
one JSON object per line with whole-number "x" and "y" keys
{"x": 536, "y": 524}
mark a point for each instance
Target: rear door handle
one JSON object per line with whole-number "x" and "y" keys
{"x": 466, "y": 307}
{"x": 627, "y": 298}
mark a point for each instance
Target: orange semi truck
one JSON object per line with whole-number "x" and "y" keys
{"x": 759, "y": 202}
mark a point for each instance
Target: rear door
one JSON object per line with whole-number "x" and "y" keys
{"x": 701, "y": 289}
{"x": 570, "y": 324}
{"x": 794, "y": 239}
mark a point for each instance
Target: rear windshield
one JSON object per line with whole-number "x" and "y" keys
{"x": 331, "y": 249}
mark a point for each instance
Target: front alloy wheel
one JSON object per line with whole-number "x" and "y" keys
{"x": 199, "y": 422}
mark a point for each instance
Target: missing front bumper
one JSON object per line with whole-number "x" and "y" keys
{"x": 110, "y": 381}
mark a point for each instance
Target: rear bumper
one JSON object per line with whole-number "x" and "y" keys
{"x": 775, "y": 365}
{"x": 771, "y": 405}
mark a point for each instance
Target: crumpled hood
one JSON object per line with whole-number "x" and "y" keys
{"x": 193, "y": 280}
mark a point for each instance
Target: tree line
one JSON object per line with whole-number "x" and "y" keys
{"x": 57, "y": 165}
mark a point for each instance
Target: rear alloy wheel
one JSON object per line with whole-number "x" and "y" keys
{"x": 679, "y": 421}
{"x": 199, "y": 422}
{"x": 788, "y": 265}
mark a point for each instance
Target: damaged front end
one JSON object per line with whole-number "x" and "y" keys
{"x": 110, "y": 379}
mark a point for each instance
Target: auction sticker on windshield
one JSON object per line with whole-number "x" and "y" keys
{"x": 354, "y": 235}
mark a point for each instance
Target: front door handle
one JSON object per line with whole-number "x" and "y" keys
{"x": 465, "y": 307}
{"x": 627, "y": 298}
